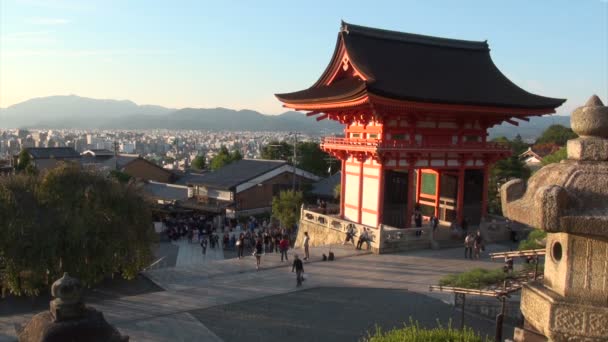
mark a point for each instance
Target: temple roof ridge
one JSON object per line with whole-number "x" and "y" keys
{"x": 413, "y": 37}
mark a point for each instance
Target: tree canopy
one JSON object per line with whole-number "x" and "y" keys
{"x": 556, "y": 134}
{"x": 309, "y": 154}
{"x": 70, "y": 220}
{"x": 199, "y": 163}
{"x": 556, "y": 156}
{"x": 223, "y": 158}
{"x": 286, "y": 207}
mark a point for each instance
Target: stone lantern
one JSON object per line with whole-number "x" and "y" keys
{"x": 569, "y": 200}
{"x": 69, "y": 319}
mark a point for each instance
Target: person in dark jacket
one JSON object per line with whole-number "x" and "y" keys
{"x": 298, "y": 267}
{"x": 259, "y": 249}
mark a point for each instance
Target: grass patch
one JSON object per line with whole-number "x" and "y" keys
{"x": 476, "y": 278}
{"x": 415, "y": 333}
{"x": 532, "y": 241}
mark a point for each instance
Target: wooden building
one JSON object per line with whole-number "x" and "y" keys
{"x": 416, "y": 110}
{"x": 244, "y": 187}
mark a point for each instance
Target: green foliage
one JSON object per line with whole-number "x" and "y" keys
{"x": 476, "y": 278}
{"x": 415, "y": 333}
{"x": 533, "y": 240}
{"x": 224, "y": 158}
{"x": 277, "y": 151}
{"x": 309, "y": 154}
{"x": 120, "y": 176}
{"x": 24, "y": 161}
{"x": 312, "y": 159}
{"x": 501, "y": 172}
{"x": 556, "y": 156}
{"x": 338, "y": 191}
{"x": 518, "y": 145}
{"x": 70, "y": 220}
{"x": 286, "y": 207}
{"x": 556, "y": 134}
{"x": 199, "y": 163}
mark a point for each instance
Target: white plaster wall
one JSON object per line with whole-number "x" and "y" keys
{"x": 351, "y": 214}
{"x": 351, "y": 191}
{"x": 370, "y": 193}
{"x": 369, "y": 219}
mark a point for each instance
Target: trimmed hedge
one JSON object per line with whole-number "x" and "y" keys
{"x": 476, "y": 278}
{"x": 415, "y": 333}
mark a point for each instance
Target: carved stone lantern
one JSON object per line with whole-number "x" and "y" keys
{"x": 569, "y": 200}
{"x": 69, "y": 319}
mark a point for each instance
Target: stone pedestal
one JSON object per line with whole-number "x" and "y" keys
{"x": 569, "y": 200}
{"x": 69, "y": 319}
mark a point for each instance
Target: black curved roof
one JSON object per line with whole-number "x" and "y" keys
{"x": 421, "y": 68}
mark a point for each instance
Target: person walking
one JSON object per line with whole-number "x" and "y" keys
{"x": 478, "y": 245}
{"x": 284, "y": 246}
{"x": 468, "y": 246}
{"x": 240, "y": 245}
{"x": 204, "y": 245}
{"x": 306, "y": 242}
{"x": 298, "y": 267}
{"x": 259, "y": 249}
{"x": 350, "y": 234}
{"x": 363, "y": 238}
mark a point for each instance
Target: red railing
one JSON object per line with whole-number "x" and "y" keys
{"x": 390, "y": 145}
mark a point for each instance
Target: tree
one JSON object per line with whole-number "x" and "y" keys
{"x": 556, "y": 134}
{"x": 503, "y": 171}
{"x": 286, "y": 207}
{"x": 338, "y": 191}
{"x": 310, "y": 156}
{"x": 277, "y": 151}
{"x": 312, "y": 159}
{"x": 70, "y": 220}
{"x": 24, "y": 162}
{"x": 556, "y": 156}
{"x": 199, "y": 163}
{"x": 236, "y": 155}
{"x": 518, "y": 145}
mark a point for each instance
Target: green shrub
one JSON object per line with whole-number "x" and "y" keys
{"x": 532, "y": 241}
{"x": 415, "y": 333}
{"x": 476, "y": 278}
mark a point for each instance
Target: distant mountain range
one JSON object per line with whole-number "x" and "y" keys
{"x": 79, "y": 112}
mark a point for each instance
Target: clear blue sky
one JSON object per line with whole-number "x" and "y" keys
{"x": 237, "y": 54}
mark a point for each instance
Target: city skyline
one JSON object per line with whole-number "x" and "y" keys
{"x": 237, "y": 55}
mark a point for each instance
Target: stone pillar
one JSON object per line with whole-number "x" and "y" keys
{"x": 569, "y": 200}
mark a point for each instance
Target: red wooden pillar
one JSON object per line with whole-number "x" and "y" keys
{"x": 437, "y": 193}
{"x": 342, "y": 187}
{"x": 418, "y": 184}
{"x": 380, "y": 195}
{"x": 460, "y": 197}
{"x": 484, "y": 193}
{"x": 410, "y": 194}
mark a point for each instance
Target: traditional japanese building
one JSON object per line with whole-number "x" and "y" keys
{"x": 416, "y": 111}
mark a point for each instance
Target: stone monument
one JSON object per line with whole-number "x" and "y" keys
{"x": 69, "y": 319}
{"x": 569, "y": 200}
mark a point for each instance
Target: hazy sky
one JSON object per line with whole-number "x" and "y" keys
{"x": 237, "y": 54}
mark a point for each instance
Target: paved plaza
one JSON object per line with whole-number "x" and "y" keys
{"x": 228, "y": 300}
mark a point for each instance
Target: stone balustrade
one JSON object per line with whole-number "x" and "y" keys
{"x": 330, "y": 229}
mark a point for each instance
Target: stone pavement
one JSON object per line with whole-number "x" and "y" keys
{"x": 176, "y": 314}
